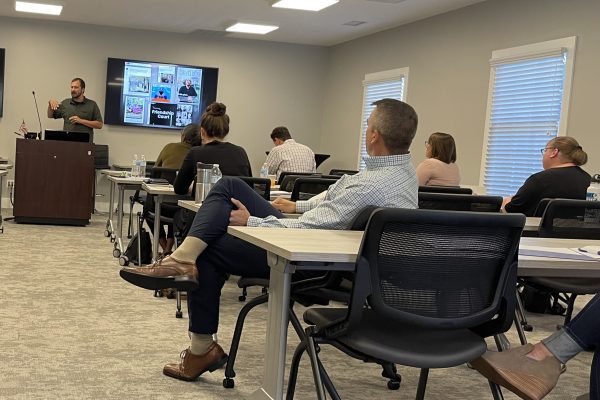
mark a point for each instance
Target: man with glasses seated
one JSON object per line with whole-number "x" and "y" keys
{"x": 562, "y": 177}
{"x": 208, "y": 253}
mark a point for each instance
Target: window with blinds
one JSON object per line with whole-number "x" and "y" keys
{"x": 527, "y": 106}
{"x": 380, "y": 85}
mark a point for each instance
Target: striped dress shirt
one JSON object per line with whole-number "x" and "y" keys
{"x": 388, "y": 181}
{"x": 291, "y": 157}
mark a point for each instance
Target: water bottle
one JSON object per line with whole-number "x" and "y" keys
{"x": 215, "y": 174}
{"x": 134, "y": 166}
{"x": 593, "y": 194}
{"x": 142, "y": 169}
{"x": 203, "y": 181}
{"x": 264, "y": 171}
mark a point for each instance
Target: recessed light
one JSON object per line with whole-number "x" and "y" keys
{"x": 38, "y": 8}
{"x": 308, "y": 5}
{"x": 251, "y": 28}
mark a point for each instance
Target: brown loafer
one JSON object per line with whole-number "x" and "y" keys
{"x": 163, "y": 274}
{"x": 192, "y": 366}
{"x": 527, "y": 378}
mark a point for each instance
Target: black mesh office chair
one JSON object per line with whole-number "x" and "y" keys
{"x": 342, "y": 172}
{"x": 571, "y": 219}
{"x": 332, "y": 286}
{"x": 262, "y": 186}
{"x": 459, "y": 202}
{"x": 306, "y": 187}
{"x": 430, "y": 279}
{"x": 139, "y": 196}
{"x": 445, "y": 189}
{"x": 283, "y": 183}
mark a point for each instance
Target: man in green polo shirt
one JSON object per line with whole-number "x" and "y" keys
{"x": 79, "y": 113}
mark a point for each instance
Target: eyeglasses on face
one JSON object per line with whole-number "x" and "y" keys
{"x": 546, "y": 148}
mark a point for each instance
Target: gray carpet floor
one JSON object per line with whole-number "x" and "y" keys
{"x": 72, "y": 329}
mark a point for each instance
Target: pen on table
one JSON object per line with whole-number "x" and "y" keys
{"x": 583, "y": 250}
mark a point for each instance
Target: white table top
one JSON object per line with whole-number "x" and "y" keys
{"x": 2, "y": 173}
{"x": 532, "y": 223}
{"x": 189, "y": 205}
{"x": 126, "y": 180}
{"x": 5, "y": 166}
{"x": 112, "y": 172}
{"x": 158, "y": 189}
{"x": 343, "y": 246}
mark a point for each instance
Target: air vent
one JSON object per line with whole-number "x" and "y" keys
{"x": 354, "y": 23}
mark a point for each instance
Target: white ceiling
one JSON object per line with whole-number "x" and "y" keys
{"x": 211, "y": 17}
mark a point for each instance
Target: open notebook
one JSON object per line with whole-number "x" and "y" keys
{"x": 587, "y": 253}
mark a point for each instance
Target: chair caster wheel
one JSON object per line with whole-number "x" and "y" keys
{"x": 242, "y": 298}
{"x": 528, "y": 328}
{"x": 123, "y": 261}
{"x": 116, "y": 253}
{"x": 228, "y": 383}
{"x": 107, "y": 233}
{"x": 158, "y": 293}
{"x": 178, "y": 314}
{"x": 393, "y": 385}
{"x": 112, "y": 238}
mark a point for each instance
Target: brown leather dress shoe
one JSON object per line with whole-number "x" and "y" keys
{"x": 192, "y": 366}
{"x": 527, "y": 378}
{"x": 163, "y": 274}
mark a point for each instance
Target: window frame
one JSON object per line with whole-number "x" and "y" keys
{"x": 523, "y": 53}
{"x": 374, "y": 78}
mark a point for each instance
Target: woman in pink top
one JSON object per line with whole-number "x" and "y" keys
{"x": 439, "y": 169}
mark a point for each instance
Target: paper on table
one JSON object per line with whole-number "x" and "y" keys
{"x": 592, "y": 251}
{"x": 555, "y": 252}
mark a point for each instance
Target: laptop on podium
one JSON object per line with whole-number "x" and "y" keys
{"x": 67, "y": 136}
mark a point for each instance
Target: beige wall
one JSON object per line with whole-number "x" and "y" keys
{"x": 449, "y": 74}
{"x": 263, "y": 84}
{"x": 316, "y": 91}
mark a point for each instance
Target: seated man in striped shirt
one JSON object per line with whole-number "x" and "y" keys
{"x": 210, "y": 253}
{"x": 288, "y": 155}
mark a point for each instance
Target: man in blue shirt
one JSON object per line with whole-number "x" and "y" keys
{"x": 389, "y": 181}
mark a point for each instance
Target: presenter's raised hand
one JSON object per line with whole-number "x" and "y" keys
{"x": 53, "y": 104}
{"x": 240, "y": 216}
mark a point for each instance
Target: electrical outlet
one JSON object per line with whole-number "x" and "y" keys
{"x": 10, "y": 183}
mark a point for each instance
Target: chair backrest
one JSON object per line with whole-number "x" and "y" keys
{"x": 342, "y": 172}
{"x": 459, "y": 202}
{"x": 437, "y": 268}
{"x": 307, "y": 187}
{"x": 571, "y": 219}
{"x": 446, "y": 189}
{"x": 165, "y": 173}
{"x": 541, "y": 207}
{"x": 261, "y": 186}
{"x": 283, "y": 182}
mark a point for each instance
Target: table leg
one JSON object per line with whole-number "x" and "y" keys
{"x": 277, "y": 326}
{"x": 111, "y": 204}
{"x": 157, "y": 201}
{"x": 119, "y": 242}
{"x": 1, "y": 219}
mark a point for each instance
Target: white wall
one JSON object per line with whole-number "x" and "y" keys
{"x": 263, "y": 84}
{"x": 449, "y": 74}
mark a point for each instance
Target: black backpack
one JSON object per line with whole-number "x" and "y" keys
{"x": 145, "y": 246}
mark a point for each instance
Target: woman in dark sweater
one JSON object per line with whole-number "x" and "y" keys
{"x": 232, "y": 159}
{"x": 562, "y": 177}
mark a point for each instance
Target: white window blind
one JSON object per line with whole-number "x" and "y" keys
{"x": 525, "y": 111}
{"x": 377, "y": 86}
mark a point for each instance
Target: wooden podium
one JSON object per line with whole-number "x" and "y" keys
{"x": 53, "y": 182}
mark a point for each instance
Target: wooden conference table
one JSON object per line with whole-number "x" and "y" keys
{"x": 307, "y": 249}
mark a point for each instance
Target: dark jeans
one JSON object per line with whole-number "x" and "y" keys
{"x": 585, "y": 330}
{"x": 225, "y": 254}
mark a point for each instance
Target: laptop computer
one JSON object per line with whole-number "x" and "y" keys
{"x": 67, "y": 136}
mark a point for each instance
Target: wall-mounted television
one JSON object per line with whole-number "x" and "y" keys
{"x": 2, "y": 55}
{"x": 157, "y": 95}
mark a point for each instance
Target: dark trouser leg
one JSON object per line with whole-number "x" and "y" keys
{"x": 212, "y": 219}
{"x": 595, "y": 376}
{"x": 225, "y": 255}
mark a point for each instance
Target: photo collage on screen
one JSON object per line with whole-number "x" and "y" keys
{"x": 161, "y": 94}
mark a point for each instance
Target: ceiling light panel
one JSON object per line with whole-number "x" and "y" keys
{"x": 308, "y": 5}
{"x": 251, "y": 28}
{"x": 38, "y": 8}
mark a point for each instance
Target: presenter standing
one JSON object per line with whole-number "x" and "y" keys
{"x": 79, "y": 113}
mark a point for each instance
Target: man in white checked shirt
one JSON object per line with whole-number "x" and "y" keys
{"x": 288, "y": 155}
{"x": 208, "y": 253}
